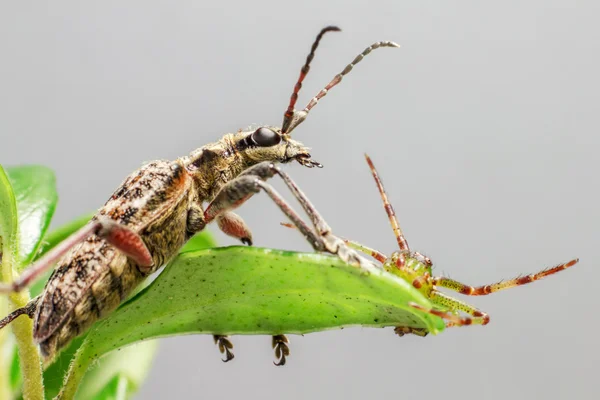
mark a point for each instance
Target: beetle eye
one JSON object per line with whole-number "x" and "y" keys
{"x": 265, "y": 137}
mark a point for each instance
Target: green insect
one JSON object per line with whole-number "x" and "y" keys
{"x": 412, "y": 267}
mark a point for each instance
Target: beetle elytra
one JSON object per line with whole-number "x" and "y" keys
{"x": 151, "y": 215}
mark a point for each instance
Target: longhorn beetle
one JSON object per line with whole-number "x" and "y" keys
{"x": 411, "y": 266}
{"x": 151, "y": 215}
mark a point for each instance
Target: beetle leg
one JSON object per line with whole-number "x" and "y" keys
{"x": 28, "y": 310}
{"x": 225, "y": 346}
{"x": 404, "y": 330}
{"x": 322, "y": 238}
{"x": 114, "y": 233}
{"x": 239, "y": 190}
{"x": 282, "y": 350}
{"x": 195, "y": 220}
{"x": 127, "y": 241}
{"x": 233, "y": 225}
{"x": 487, "y": 289}
{"x": 355, "y": 245}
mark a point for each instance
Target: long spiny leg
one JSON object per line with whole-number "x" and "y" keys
{"x": 445, "y": 302}
{"x": 452, "y": 319}
{"x": 225, "y": 346}
{"x": 317, "y": 220}
{"x": 332, "y": 243}
{"x": 402, "y": 243}
{"x": 365, "y": 250}
{"x": 239, "y": 190}
{"x": 282, "y": 350}
{"x": 114, "y": 233}
{"x": 354, "y": 245}
{"x": 487, "y": 289}
{"x": 327, "y": 240}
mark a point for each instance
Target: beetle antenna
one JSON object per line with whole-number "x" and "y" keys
{"x": 293, "y": 118}
{"x": 289, "y": 113}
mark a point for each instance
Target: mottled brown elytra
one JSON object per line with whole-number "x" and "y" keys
{"x": 152, "y": 214}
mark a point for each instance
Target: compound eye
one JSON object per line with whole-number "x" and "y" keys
{"x": 265, "y": 137}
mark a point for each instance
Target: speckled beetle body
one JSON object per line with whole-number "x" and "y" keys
{"x": 150, "y": 217}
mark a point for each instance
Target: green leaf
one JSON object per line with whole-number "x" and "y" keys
{"x": 8, "y": 248}
{"x": 247, "y": 290}
{"x": 128, "y": 367}
{"x": 200, "y": 241}
{"x": 35, "y": 193}
{"x": 8, "y": 214}
{"x": 27, "y": 199}
{"x": 111, "y": 369}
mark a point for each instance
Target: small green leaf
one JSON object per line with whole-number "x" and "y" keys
{"x": 200, "y": 241}
{"x": 247, "y": 290}
{"x": 35, "y": 193}
{"x": 8, "y": 214}
{"x": 128, "y": 367}
{"x": 8, "y": 249}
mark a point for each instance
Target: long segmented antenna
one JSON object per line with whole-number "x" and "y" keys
{"x": 293, "y": 118}
{"x": 289, "y": 113}
{"x": 402, "y": 243}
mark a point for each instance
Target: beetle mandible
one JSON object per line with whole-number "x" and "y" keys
{"x": 151, "y": 215}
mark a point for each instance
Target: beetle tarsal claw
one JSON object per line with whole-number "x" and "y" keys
{"x": 282, "y": 350}
{"x": 225, "y": 346}
{"x": 404, "y": 330}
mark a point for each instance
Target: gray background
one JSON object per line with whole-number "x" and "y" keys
{"x": 483, "y": 127}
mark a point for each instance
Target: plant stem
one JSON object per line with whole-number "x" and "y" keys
{"x": 5, "y": 392}
{"x": 31, "y": 366}
{"x": 79, "y": 365}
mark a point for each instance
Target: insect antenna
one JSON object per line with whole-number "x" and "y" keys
{"x": 402, "y": 243}
{"x": 293, "y": 118}
{"x": 289, "y": 113}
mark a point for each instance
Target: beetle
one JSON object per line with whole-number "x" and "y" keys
{"x": 411, "y": 266}
{"x": 151, "y": 215}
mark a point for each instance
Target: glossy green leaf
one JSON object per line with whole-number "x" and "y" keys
{"x": 128, "y": 367}
{"x": 247, "y": 290}
{"x": 8, "y": 248}
{"x": 8, "y": 214}
{"x": 35, "y": 193}
{"x": 200, "y": 241}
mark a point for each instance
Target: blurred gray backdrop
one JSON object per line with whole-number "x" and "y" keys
{"x": 484, "y": 127}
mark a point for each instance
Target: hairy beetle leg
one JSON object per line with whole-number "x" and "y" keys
{"x": 233, "y": 225}
{"x": 321, "y": 239}
{"x": 114, "y": 233}
{"x": 28, "y": 310}
{"x": 405, "y": 330}
{"x": 225, "y": 346}
{"x": 282, "y": 350}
